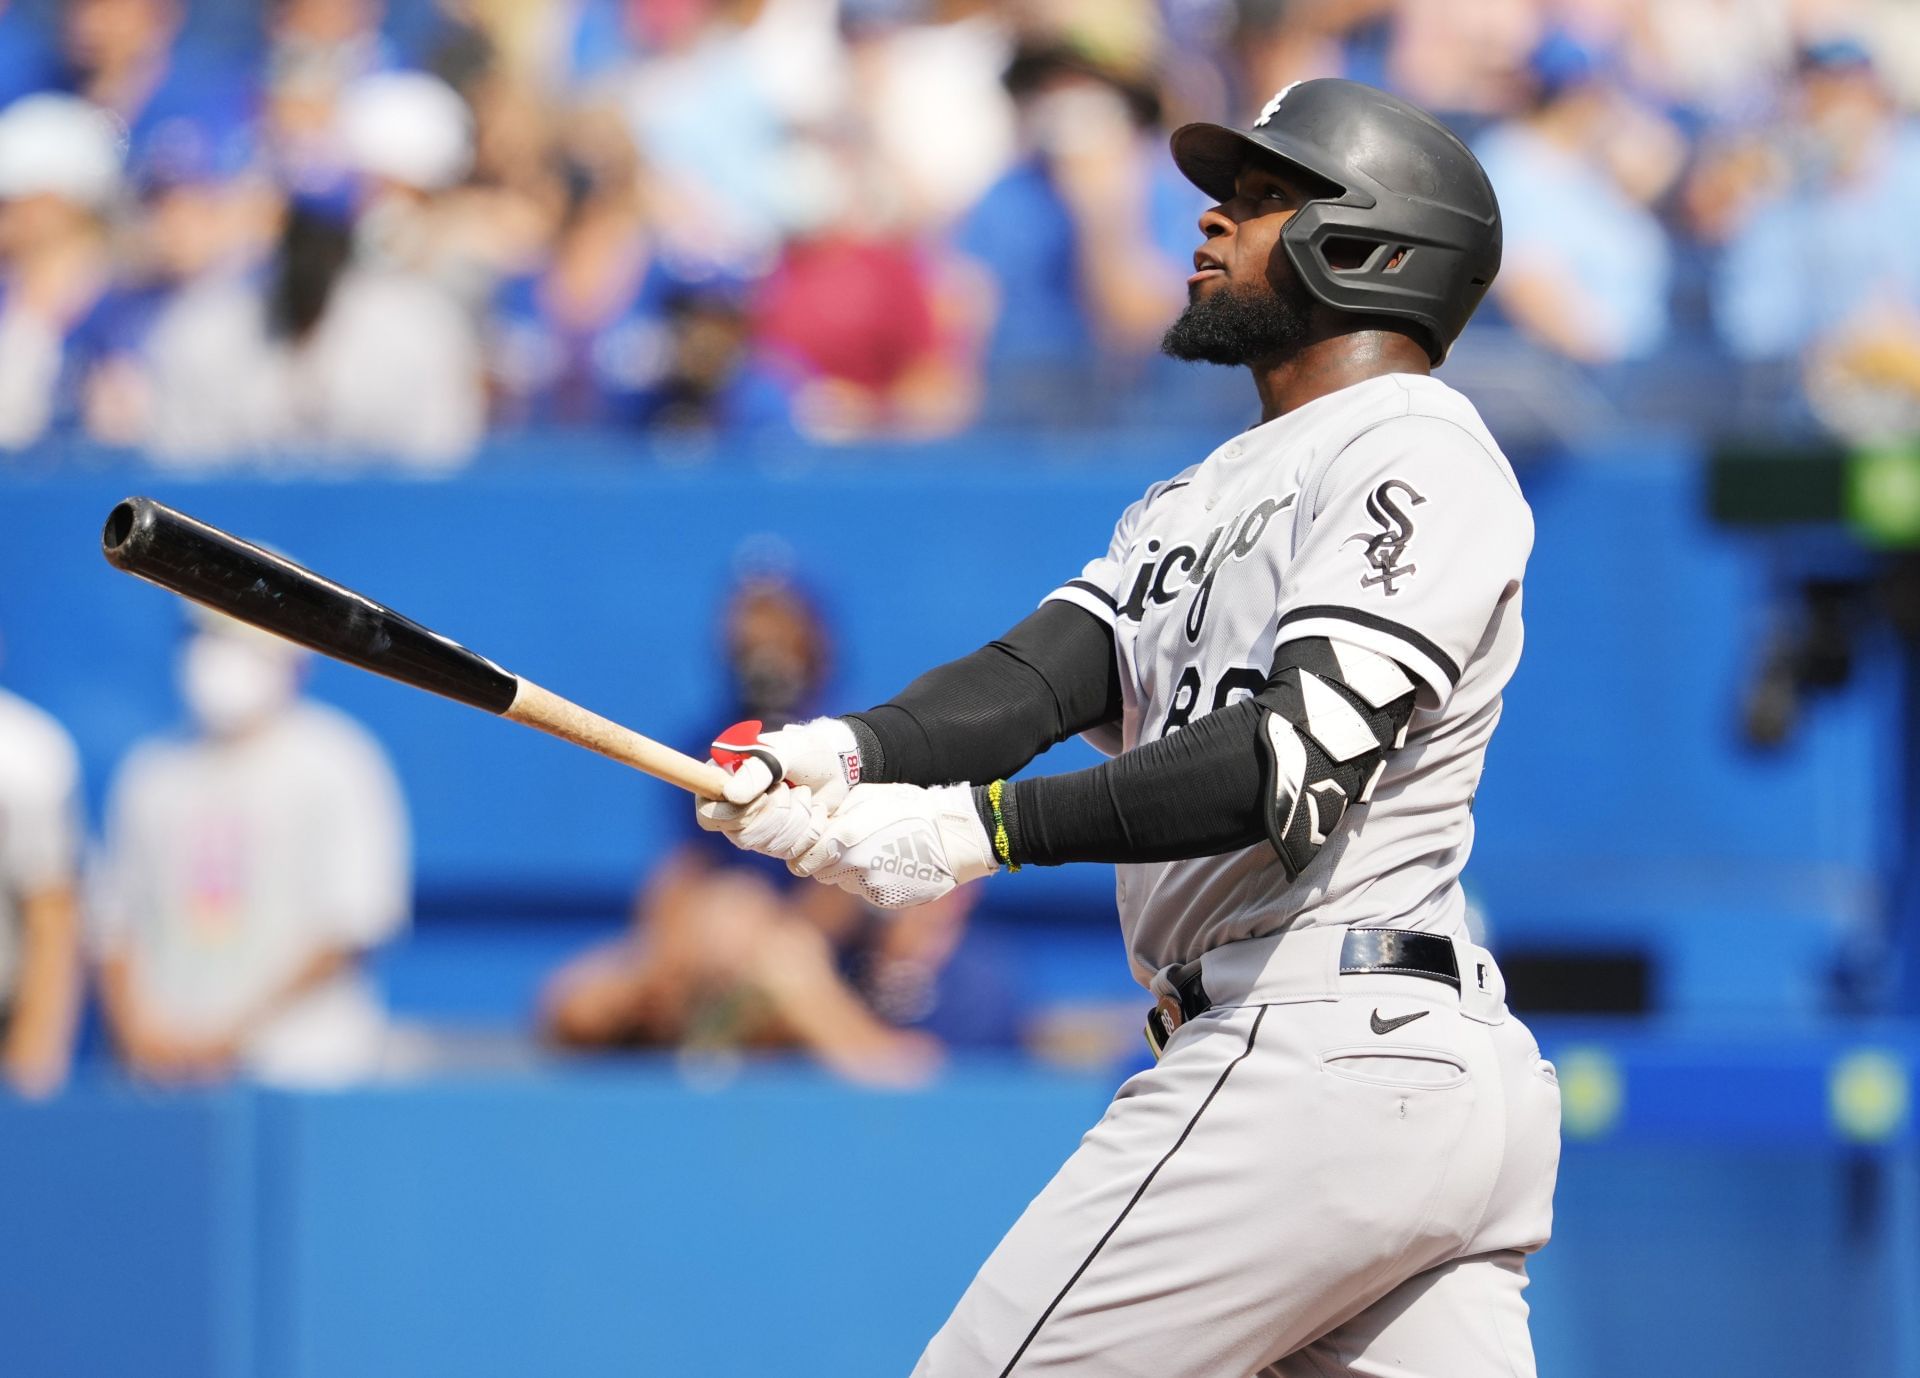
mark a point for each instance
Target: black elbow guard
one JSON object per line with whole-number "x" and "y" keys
{"x": 1331, "y": 714}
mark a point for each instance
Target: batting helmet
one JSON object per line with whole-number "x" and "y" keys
{"x": 1409, "y": 229}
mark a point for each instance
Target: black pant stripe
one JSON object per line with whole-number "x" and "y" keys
{"x": 1087, "y": 1262}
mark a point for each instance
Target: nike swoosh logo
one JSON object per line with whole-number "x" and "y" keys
{"x": 1382, "y": 1026}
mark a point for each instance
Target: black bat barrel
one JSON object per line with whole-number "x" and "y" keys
{"x": 268, "y": 591}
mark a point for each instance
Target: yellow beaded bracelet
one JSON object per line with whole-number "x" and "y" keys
{"x": 1002, "y": 848}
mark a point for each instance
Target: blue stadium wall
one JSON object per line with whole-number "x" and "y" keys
{"x": 1619, "y": 806}
{"x": 1715, "y": 1216}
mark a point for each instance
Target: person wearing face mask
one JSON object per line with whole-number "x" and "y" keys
{"x": 728, "y": 951}
{"x": 247, "y": 867}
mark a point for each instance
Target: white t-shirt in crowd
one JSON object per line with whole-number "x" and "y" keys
{"x": 228, "y": 864}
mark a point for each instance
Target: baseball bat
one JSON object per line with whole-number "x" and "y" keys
{"x": 269, "y": 591}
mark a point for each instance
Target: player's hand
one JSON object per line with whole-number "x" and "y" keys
{"x": 785, "y": 822}
{"x": 900, "y": 845}
{"x": 822, "y": 755}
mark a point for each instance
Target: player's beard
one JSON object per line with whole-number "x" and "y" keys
{"x": 1237, "y": 325}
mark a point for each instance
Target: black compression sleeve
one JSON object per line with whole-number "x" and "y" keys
{"x": 1211, "y": 786}
{"x": 986, "y": 715}
{"x": 1195, "y": 793}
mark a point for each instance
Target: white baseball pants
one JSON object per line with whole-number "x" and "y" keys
{"x": 1289, "y": 1193}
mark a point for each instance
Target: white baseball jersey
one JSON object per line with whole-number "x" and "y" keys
{"x": 1383, "y": 516}
{"x": 39, "y": 818}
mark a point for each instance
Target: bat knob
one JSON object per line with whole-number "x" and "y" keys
{"x": 129, "y": 526}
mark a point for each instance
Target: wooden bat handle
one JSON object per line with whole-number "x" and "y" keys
{"x": 541, "y": 708}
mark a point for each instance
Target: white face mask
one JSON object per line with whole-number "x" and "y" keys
{"x": 231, "y": 686}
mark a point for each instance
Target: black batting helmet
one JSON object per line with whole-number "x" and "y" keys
{"x": 1411, "y": 219}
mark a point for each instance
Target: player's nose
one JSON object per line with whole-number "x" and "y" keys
{"x": 1214, "y": 222}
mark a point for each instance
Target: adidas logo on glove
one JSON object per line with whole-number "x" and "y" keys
{"x": 911, "y": 858}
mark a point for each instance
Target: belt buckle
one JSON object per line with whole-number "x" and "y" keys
{"x": 1163, "y": 1020}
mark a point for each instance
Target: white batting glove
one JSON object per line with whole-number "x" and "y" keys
{"x": 785, "y": 822}
{"x": 821, "y": 754}
{"x": 896, "y": 846}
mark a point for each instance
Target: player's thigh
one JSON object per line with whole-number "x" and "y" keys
{"x": 1464, "y": 1319}
{"x": 1249, "y": 1191}
{"x": 1018, "y": 1289}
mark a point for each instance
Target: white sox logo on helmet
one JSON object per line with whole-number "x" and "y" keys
{"x": 1272, "y": 107}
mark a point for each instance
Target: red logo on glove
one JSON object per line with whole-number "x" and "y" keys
{"x": 730, "y": 748}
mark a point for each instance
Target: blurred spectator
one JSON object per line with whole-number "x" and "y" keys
{"x": 247, "y": 868}
{"x": 408, "y": 141}
{"x": 125, "y": 57}
{"x": 1465, "y": 59}
{"x": 1818, "y": 263}
{"x": 39, "y": 919}
{"x": 202, "y": 218}
{"x": 908, "y": 57}
{"x": 714, "y": 381}
{"x": 709, "y": 129}
{"x": 535, "y": 45}
{"x": 854, "y": 310}
{"x": 728, "y": 951}
{"x": 612, "y": 330}
{"x": 351, "y": 348}
{"x": 1587, "y": 266}
{"x": 1705, "y": 59}
{"x": 59, "y": 176}
{"x": 503, "y": 218}
{"x": 342, "y": 38}
{"x": 1083, "y": 238}
{"x": 29, "y": 59}
{"x": 1275, "y": 43}
{"x": 317, "y": 51}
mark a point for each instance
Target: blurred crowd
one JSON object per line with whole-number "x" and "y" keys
{"x": 307, "y": 230}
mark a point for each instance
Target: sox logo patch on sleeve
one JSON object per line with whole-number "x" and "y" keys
{"x": 1387, "y": 549}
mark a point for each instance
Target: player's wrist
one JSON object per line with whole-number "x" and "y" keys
{"x": 871, "y": 755}
{"x": 999, "y": 815}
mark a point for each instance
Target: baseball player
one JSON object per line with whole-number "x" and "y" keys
{"x": 1294, "y": 653}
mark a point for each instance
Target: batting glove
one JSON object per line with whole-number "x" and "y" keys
{"x": 896, "y": 846}
{"x": 822, "y": 755}
{"x": 785, "y": 822}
